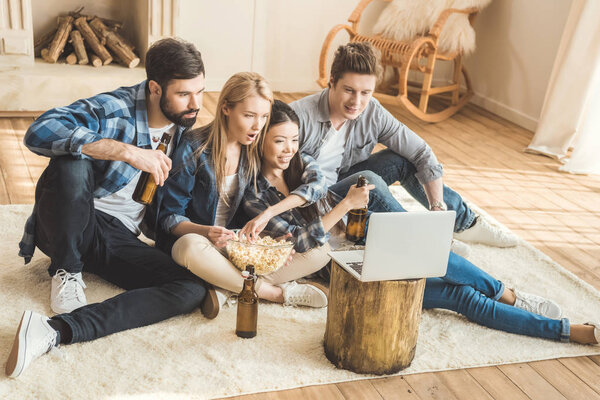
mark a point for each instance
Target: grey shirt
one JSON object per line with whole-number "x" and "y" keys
{"x": 374, "y": 125}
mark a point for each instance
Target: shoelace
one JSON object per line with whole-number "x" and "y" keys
{"x": 299, "y": 299}
{"x": 68, "y": 290}
{"x": 532, "y": 305}
{"x": 46, "y": 344}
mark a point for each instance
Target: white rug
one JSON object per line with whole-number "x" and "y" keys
{"x": 189, "y": 357}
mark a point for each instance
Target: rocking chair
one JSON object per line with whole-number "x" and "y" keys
{"x": 419, "y": 55}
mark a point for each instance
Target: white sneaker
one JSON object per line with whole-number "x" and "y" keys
{"x": 596, "y": 326}
{"x": 34, "y": 337}
{"x": 460, "y": 248}
{"x": 537, "y": 305}
{"x": 295, "y": 294}
{"x": 483, "y": 232}
{"x": 67, "y": 292}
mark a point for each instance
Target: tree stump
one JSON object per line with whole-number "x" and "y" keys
{"x": 372, "y": 327}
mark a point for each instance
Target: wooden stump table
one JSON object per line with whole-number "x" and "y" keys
{"x": 372, "y": 327}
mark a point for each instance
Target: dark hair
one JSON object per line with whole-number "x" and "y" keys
{"x": 281, "y": 112}
{"x": 292, "y": 176}
{"x": 360, "y": 57}
{"x": 173, "y": 58}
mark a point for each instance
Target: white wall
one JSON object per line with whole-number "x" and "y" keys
{"x": 517, "y": 41}
{"x": 280, "y": 39}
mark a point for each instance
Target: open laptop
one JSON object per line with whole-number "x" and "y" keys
{"x": 401, "y": 245}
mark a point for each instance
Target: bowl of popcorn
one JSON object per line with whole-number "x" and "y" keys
{"x": 268, "y": 253}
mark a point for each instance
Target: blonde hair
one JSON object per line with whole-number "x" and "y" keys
{"x": 237, "y": 89}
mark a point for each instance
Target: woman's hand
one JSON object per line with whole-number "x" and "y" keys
{"x": 358, "y": 197}
{"x": 219, "y": 235}
{"x": 256, "y": 225}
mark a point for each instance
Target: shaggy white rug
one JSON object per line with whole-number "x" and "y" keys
{"x": 189, "y": 357}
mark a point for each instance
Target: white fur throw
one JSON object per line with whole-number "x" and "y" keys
{"x": 406, "y": 19}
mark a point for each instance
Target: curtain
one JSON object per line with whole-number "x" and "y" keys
{"x": 570, "y": 115}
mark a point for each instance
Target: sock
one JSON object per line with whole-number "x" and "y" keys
{"x": 64, "y": 333}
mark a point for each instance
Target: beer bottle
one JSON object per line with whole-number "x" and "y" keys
{"x": 146, "y": 186}
{"x": 247, "y": 306}
{"x": 357, "y": 218}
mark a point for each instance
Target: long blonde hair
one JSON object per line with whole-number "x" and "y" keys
{"x": 237, "y": 89}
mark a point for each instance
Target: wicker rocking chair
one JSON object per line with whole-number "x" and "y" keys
{"x": 420, "y": 55}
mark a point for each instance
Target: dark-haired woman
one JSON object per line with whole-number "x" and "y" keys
{"x": 465, "y": 288}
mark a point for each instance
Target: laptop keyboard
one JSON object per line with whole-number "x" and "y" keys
{"x": 357, "y": 266}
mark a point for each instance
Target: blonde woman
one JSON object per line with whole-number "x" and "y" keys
{"x": 213, "y": 166}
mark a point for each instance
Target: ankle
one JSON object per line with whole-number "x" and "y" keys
{"x": 508, "y": 297}
{"x": 64, "y": 332}
{"x": 270, "y": 292}
{"x": 583, "y": 334}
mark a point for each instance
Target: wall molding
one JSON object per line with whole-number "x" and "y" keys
{"x": 513, "y": 115}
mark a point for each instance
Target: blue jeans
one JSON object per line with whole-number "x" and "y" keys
{"x": 392, "y": 167}
{"x": 78, "y": 238}
{"x": 473, "y": 293}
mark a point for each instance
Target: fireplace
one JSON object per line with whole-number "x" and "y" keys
{"x": 31, "y": 85}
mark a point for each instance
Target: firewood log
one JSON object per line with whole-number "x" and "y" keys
{"x": 92, "y": 40}
{"x": 96, "y": 61}
{"x": 79, "y": 46}
{"x": 115, "y": 43}
{"x": 56, "y": 47}
{"x": 71, "y": 59}
{"x": 43, "y": 41}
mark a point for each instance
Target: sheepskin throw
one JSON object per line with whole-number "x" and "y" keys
{"x": 406, "y": 19}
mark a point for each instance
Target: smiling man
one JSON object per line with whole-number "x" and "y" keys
{"x": 84, "y": 217}
{"x": 341, "y": 125}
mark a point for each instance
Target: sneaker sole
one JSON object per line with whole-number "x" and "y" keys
{"x": 15, "y": 362}
{"x": 210, "y": 305}
{"x": 58, "y": 310}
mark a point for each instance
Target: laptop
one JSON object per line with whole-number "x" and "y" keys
{"x": 401, "y": 245}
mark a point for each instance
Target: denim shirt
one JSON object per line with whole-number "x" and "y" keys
{"x": 120, "y": 115}
{"x": 374, "y": 125}
{"x": 190, "y": 193}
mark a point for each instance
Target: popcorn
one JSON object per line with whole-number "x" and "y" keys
{"x": 266, "y": 254}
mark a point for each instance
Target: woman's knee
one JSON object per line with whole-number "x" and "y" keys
{"x": 188, "y": 247}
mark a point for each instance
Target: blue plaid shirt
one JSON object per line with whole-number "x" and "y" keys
{"x": 120, "y": 115}
{"x": 308, "y": 234}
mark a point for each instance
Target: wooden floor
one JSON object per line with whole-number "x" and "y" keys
{"x": 483, "y": 160}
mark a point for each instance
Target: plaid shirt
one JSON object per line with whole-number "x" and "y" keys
{"x": 120, "y": 115}
{"x": 308, "y": 234}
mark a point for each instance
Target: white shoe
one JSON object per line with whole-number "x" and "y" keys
{"x": 295, "y": 294}
{"x": 596, "y": 326}
{"x": 460, "y": 248}
{"x": 34, "y": 337}
{"x": 483, "y": 232}
{"x": 537, "y": 305}
{"x": 67, "y": 292}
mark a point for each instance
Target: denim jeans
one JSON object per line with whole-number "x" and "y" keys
{"x": 78, "y": 238}
{"x": 392, "y": 167}
{"x": 473, "y": 293}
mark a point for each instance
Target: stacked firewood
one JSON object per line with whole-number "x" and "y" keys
{"x": 86, "y": 39}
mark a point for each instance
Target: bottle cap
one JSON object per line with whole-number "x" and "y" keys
{"x": 245, "y": 274}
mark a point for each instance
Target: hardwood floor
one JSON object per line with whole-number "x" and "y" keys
{"x": 483, "y": 160}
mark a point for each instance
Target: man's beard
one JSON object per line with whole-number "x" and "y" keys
{"x": 177, "y": 118}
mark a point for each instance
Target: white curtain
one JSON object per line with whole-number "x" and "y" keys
{"x": 570, "y": 116}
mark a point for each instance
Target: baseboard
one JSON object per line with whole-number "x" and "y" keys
{"x": 511, "y": 114}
